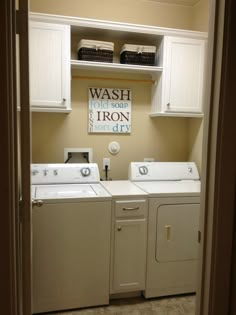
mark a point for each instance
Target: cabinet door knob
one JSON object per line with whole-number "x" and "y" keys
{"x": 37, "y": 203}
{"x": 119, "y": 228}
{"x": 64, "y": 99}
{"x": 168, "y": 105}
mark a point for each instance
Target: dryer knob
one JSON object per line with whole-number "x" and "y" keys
{"x": 143, "y": 170}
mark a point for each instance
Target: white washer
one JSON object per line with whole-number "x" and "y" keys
{"x": 173, "y": 224}
{"x": 71, "y": 223}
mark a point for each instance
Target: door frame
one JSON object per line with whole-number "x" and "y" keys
{"x": 15, "y": 158}
{"x": 9, "y": 284}
{"x": 218, "y": 280}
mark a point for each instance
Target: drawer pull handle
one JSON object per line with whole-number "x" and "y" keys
{"x": 130, "y": 209}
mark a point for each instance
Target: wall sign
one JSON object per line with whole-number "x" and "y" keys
{"x": 109, "y": 110}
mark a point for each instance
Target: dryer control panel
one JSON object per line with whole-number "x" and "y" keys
{"x": 64, "y": 173}
{"x": 163, "y": 171}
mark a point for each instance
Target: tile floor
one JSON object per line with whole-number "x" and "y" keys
{"x": 181, "y": 305}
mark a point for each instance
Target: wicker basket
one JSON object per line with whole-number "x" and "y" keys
{"x": 92, "y": 50}
{"x": 138, "y": 55}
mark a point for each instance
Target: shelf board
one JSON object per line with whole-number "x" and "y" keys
{"x": 115, "y": 67}
{"x": 50, "y": 110}
{"x": 177, "y": 114}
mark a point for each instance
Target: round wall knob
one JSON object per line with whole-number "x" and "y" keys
{"x": 114, "y": 147}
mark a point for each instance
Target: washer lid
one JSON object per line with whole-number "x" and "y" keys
{"x": 69, "y": 191}
{"x": 171, "y": 188}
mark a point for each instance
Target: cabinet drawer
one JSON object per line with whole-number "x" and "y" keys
{"x": 131, "y": 208}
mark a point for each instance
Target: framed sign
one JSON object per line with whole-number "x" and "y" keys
{"x": 109, "y": 110}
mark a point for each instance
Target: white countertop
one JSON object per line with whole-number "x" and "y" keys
{"x": 123, "y": 188}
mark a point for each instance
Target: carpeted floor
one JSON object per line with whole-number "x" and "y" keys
{"x": 181, "y": 305}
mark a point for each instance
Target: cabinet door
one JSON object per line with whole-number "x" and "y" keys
{"x": 49, "y": 66}
{"x": 129, "y": 255}
{"x": 184, "y": 73}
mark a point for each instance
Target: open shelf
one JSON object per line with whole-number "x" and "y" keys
{"x": 115, "y": 67}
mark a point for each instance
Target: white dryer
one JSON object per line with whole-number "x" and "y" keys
{"x": 173, "y": 224}
{"x": 71, "y": 223}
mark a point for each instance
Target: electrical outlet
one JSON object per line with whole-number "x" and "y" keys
{"x": 106, "y": 161}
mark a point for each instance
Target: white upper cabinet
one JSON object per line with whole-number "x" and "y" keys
{"x": 177, "y": 77}
{"x": 184, "y": 74}
{"x": 49, "y": 67}
{"x": 180, "y": 90}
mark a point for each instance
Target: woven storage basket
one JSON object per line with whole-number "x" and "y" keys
{"x": 138, "y": 55}
{"x": 92, "y": 50}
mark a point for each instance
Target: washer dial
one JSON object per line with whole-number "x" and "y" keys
{"x": 85, "y": 171}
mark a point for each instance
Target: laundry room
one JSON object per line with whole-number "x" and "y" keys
{"x": 96, "y": 129}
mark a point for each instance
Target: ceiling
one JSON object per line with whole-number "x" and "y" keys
{"x": 178, "y": 2}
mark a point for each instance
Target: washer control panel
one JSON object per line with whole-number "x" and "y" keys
{"x": 64, "y": 173}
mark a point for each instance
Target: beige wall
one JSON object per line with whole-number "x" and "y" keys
{"x": 130, "y": 11}
{"x": 195, "y": 141}
{"x": 200, "y": 23}
{"x": 165, "y": 139}
{"x": 201, "y": 16}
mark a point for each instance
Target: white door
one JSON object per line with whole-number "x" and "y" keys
{"x": 184, "y": 66}
{"x": 129, "y": 255}
{"x": 49, "y": 65}
{"x": 177, "y": 232}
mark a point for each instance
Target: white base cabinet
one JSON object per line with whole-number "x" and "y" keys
{"x": 129, "y": 246}
{"x": 49, "y": 51}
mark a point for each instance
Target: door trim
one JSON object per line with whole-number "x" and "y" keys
{"x": 25, "y": 156}
{"x": 9, "y": 285}
{"x": 219, "y": 169}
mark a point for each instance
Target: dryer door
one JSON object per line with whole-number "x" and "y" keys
{"x": 177, "y": 232}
